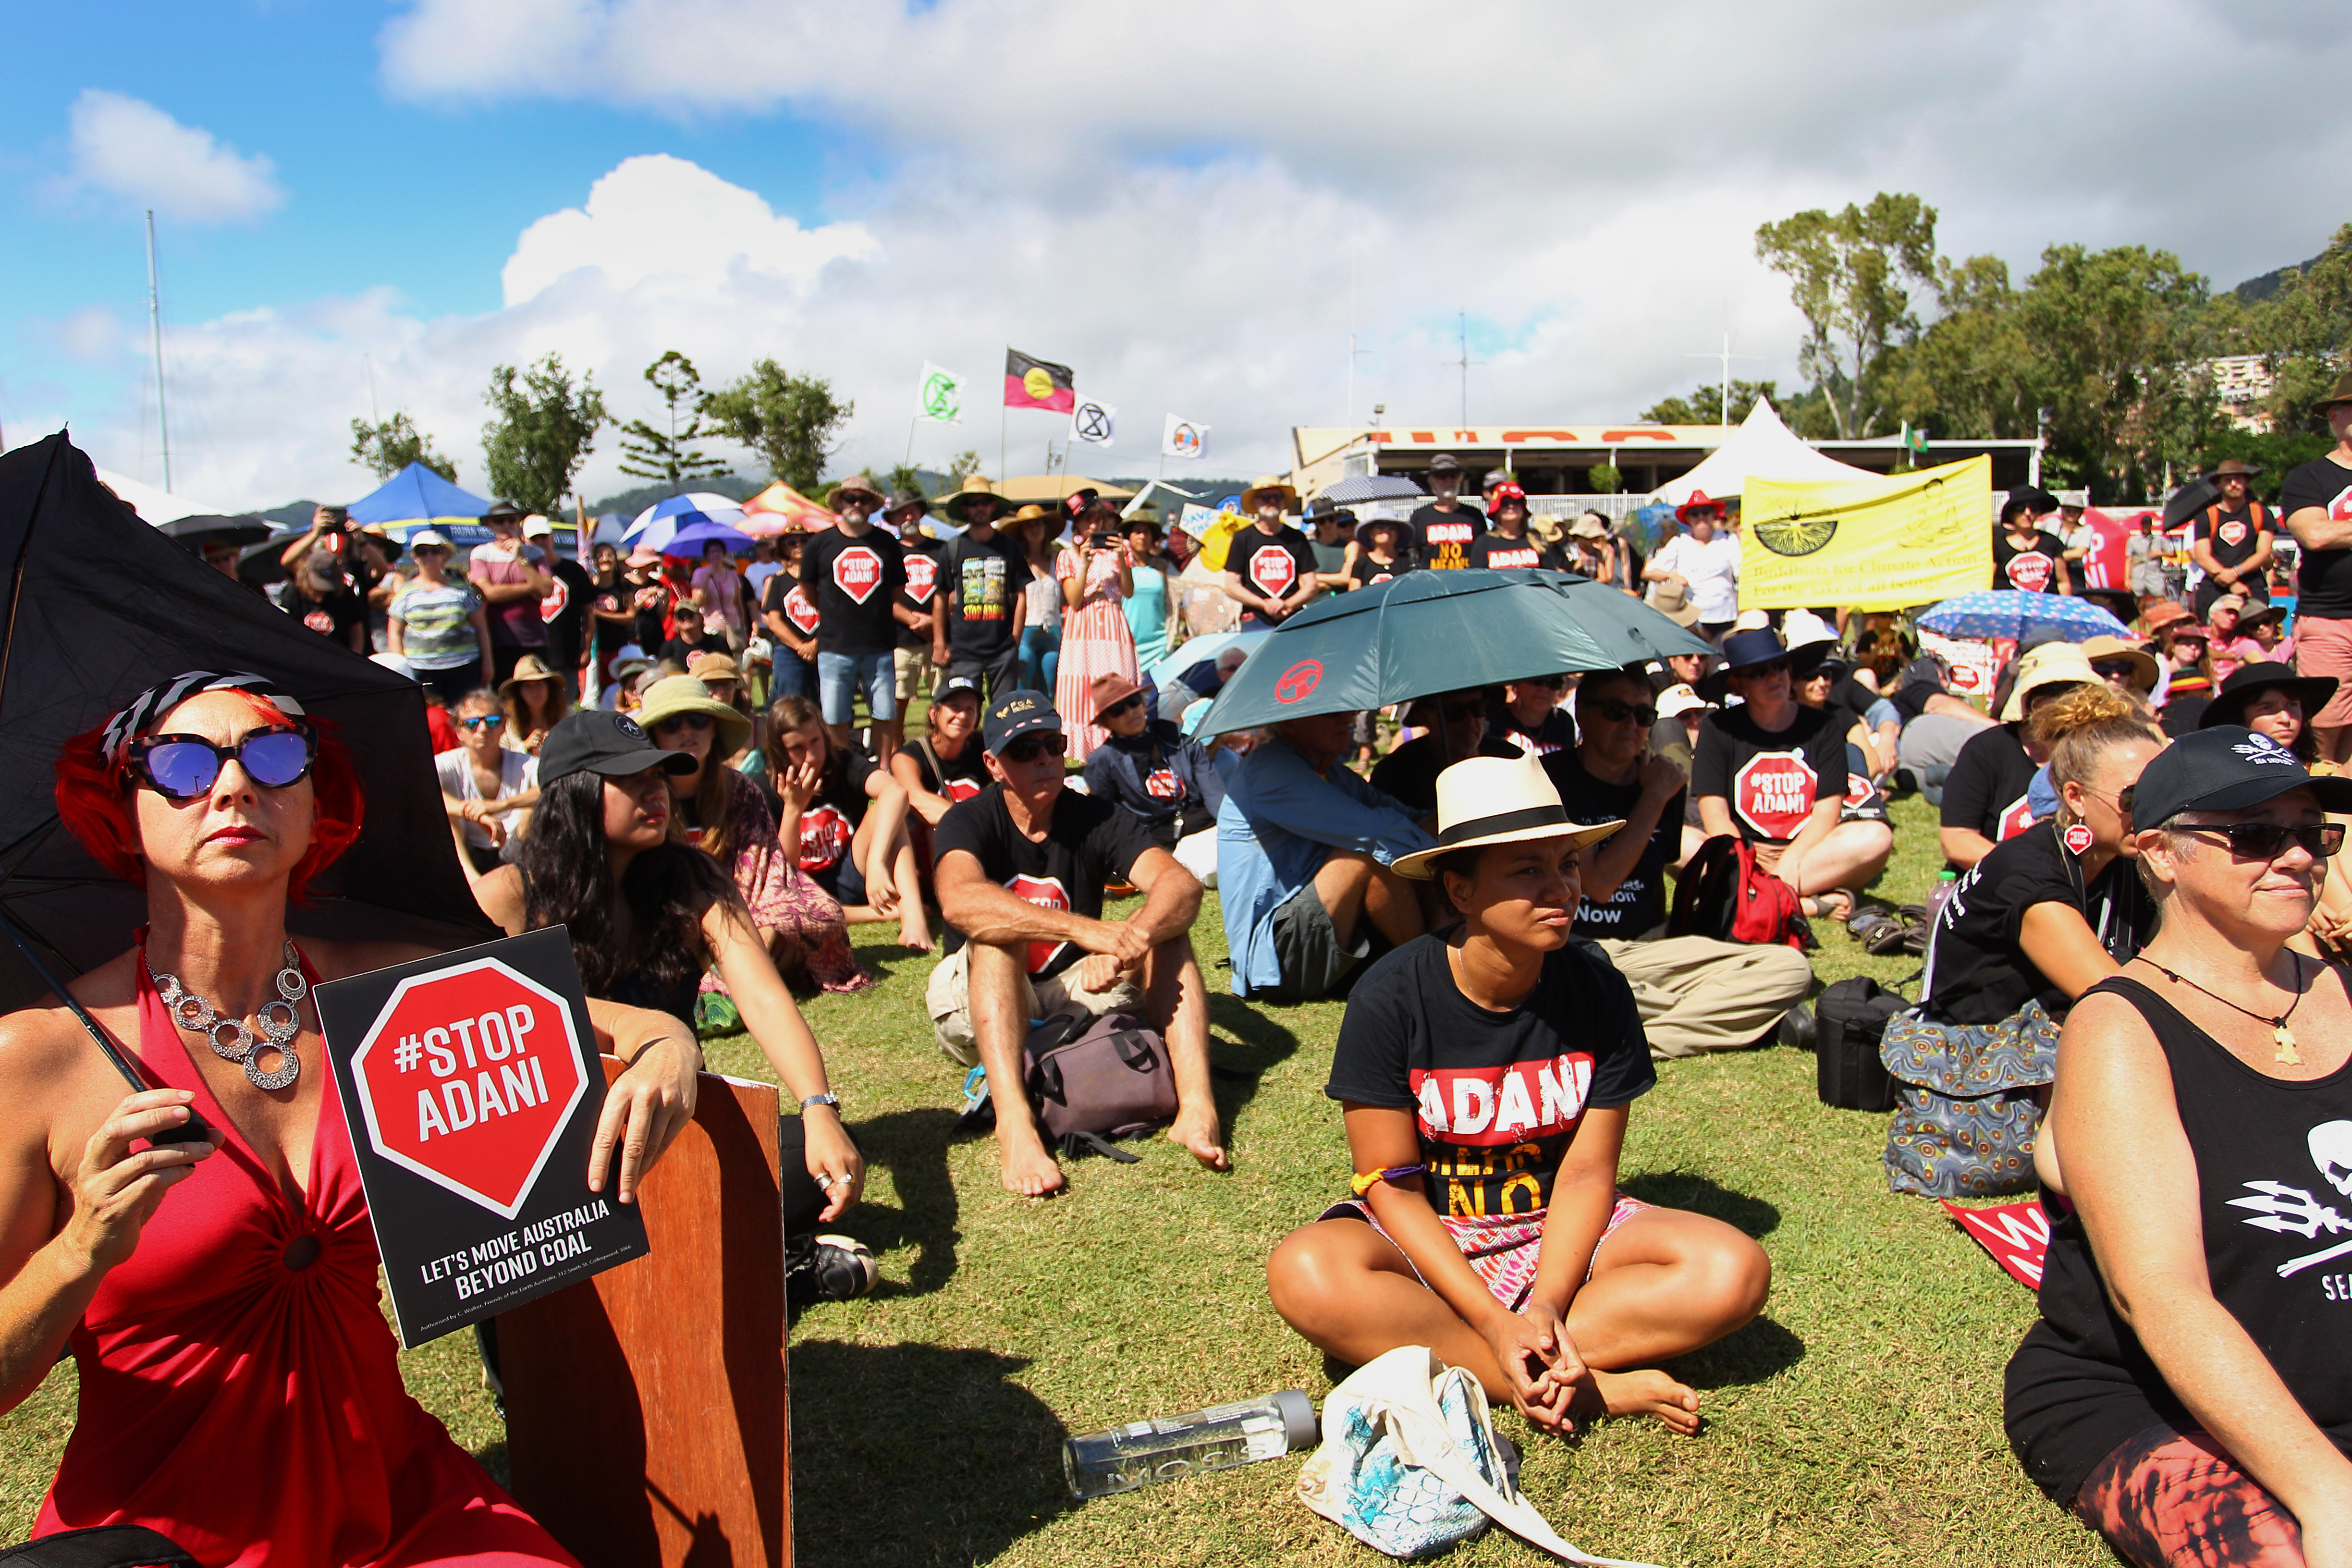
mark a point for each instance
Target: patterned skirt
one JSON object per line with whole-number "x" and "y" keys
{"x": 1094, "y": 641}
{"x": 1503, "y": 1248}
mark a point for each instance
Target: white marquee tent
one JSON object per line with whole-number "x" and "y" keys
{"x": 154, "y": 505}
{"x": 1764, "y": 447}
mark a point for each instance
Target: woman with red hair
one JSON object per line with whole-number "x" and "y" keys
{"x": 239, "y": 1391}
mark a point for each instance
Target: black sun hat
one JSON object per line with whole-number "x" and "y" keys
{"x": 2228, "y": 704}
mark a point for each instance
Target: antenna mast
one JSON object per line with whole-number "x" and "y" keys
{"x": 155, "y": 331}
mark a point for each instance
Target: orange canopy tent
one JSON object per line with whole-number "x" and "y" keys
{"x": 779, "y": 508}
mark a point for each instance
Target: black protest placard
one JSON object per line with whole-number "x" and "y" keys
{"x": 471, "y": 1086}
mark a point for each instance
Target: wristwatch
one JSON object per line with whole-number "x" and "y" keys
{"x": 828, "y": 1098}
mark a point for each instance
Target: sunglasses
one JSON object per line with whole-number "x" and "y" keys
{"x": 1616, "y": 710}
{"x": 2114, "y": 669}
{"x": 429, "y": 549}
{"x": 2268, "y": 840}
{"x": 1457, "y": 711}
{"x": 1760, "y": 671}
{"x": 182, "y": 768}
{"x": 677, "y": 723}
{"x": 484, "y": 721}
{"x": 1029, "y": 748}
{"x": 1122, "y": 705}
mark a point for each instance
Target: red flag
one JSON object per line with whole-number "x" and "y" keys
{"x": 2017, "y": 1235}
{"x": 1038, "y": 383}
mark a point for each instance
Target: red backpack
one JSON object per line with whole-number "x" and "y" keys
{"x": 1725, "y": 894}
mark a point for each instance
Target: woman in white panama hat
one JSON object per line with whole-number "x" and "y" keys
{"x": 1486, "y": 1075}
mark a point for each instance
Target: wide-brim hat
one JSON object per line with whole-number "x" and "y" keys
{"x": 1699, "y": 502}
{"x": 530, "y": 667}
{"x": 1673, "y": 602}
{"x": 2052, "y": 664}
{"x": 2028, "y": 497}
{"x": 2169, "y": 613}
{"x": 674, "y": 695}
{"x": 712, "y": 667}
{"x": 503, "y": 512}
{"x": 1273, "y": 482}
{"x": 2259, "y": 613}
{"x": 1809, "y": 637}
{"x": 1745, "y": 650}
{"x": 2342, "y": 393}
{"x": 2145, "y": 668}
{"x": 645, "y": 555}
{"x": 1445, "y": 463}
{"x": 2228, "y": 704}
{"x": 957, "y": 507}
{"x": 1402, "y": 528}
{"x": 2232, "y": 468}
{"x": 855, "y": 485}
{"x": 1497, "y": 800}
{"x": 1588, "y": 527}
{"x": 2226, "y": 768}
{"x": 901, "y": 499}
{"x": 1108, "y": 690}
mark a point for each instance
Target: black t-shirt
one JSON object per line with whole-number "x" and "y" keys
{"x": 648, "y": 600}
{"x": 1446, "y": 536}
{"x": 1640, "y": 902}
{"x": 2032, "y": 570}
{"x": 1408, "y": 775}
{"x": 565, "y": 610}
{"x": 1496, "y": 1097}
{"x": 830, "y": 821}
{"x": 1493, "y": 551}
{"x": 1978, "y": 972}
{"x": 332, "y": 617}
{"x": 2232, "y": 536}
{"x": 1985, "y": 791}
{"x": 784, "y": 596}
{"x": 855, "y": 582}
{"x": 1556, "y": 733}
{"x": 921, "y": 560}
{"x": 1773, "y": 779}
{"x": 684, "y": 653}
{"x": 613, "y": 635}
{"x": 2324, "y": 578}
{"x": 1090, "y": 842}
{"x": 958, "y": 778}
{"x": 1368, "y": 571}
{"x": 980, "y": 580}
{"x": 1271, "y": 565}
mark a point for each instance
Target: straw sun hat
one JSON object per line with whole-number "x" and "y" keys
{"x": 675, "y": 694}
{"x": 1497, "y": 800}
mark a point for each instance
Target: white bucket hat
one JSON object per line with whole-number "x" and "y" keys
{"x": 1497, "y": 800}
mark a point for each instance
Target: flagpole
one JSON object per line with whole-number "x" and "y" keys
{"x": 910, "y": 441}
{"x": 1001, "y": 417}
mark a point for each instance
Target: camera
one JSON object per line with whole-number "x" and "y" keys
{"x": 1100, "y": 539}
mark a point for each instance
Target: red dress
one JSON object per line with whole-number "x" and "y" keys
{"x": 252, "y": 1410}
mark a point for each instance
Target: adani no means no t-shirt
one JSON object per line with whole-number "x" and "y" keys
{"x": 1495, "y": 1096}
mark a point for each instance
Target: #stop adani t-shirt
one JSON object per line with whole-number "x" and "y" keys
{"x": 1270, "y": 564}
{"x": 1772, "y": 778}
{"x": 855, "y": 582}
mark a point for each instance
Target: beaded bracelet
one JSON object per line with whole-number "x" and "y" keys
{"x": 1366, "y": 1181}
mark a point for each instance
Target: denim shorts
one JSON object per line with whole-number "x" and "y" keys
{"x": 839, "y": 677}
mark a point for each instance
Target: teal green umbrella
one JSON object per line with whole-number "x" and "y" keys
{"x": 1428, "y": 632}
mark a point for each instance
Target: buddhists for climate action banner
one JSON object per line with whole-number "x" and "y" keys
{"x": 1866, "y": 544}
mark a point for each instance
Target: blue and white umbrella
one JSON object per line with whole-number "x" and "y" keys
{"x": 2005, "y": 612}
{"x": 653, "y": 526}
{"x": 691, "y": 538}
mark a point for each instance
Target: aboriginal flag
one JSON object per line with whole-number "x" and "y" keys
{"x": 1038, "y": 383}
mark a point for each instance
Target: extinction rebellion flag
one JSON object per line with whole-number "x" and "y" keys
{"x": 1038, "y": 383}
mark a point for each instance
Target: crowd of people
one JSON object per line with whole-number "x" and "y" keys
{"x": 702, "y": 768}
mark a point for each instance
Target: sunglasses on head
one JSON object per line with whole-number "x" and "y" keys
{"x": 484, "y": 721}
{"x": 2268, "y": 840}
{"x": 680, "y": 722}
{"x": 1029, "y": 748}
{"x": 1616, "y": 710}
{"x": 182, "y": 768}
{"x": 1123, "y": 704}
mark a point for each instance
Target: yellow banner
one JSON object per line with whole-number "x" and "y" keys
{"x": 1866, "y": 544}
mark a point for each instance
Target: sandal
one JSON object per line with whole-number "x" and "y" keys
{"x": 1816, "y": 905}
{"x": 1879, "y": 933}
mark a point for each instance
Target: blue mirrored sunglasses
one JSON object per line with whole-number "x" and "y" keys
{"x": 182, "y": 768}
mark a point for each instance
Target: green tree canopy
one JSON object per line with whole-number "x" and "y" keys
{"x": 390, "y": 445}
{"x": 1704, "y": 404}
{"x": 541, "y": 432}
{"x": 1846, "y": 273}
{"x": 793, "y": 422}
{"x": 667, "y": 453}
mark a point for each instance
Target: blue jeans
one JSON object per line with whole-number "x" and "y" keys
{"x": 1041, "y": 654}
{"x": 839, "y": 677}
{"x": 793, "y": 677}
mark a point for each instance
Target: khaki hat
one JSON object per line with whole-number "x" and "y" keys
{"x": 2144, "y": 665}
{"x": 712, "y": 667}
{"x": 2343, "y": 393}
{"x": 1673, "y": 602}
{"x": 855, "y": 485}
{"x": 957, "y": 507}
{"x": 679, "y": 694}
{"x": 2052, "y": 664}
{"x": 2231, "y": 468}
{"x": 1588, "y": 527}
{"x": 528, "y": 668}
{"x": 1270, "y": 483}
{"x": 1497, "y": 800}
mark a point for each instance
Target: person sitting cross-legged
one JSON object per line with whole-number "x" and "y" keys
{"x": 1696, "y": 993}
{"x": 1303, "y": 855}
{"x": 1020, "y": 875}
{"x": 1485, "y": 1076}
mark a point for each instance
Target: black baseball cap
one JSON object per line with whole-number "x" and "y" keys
{"x": 2226, "y": 768}
{"x": 957, "y": 686}
{"x": 591, "y": 740}
{"x": 1011, "y": 716}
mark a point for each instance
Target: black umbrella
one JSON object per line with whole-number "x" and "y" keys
{"x": 2189, "y": 500}
{"x": 192, "y": 531}
{"x": 99, "y": 607}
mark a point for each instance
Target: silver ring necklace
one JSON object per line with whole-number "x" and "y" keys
{"x": 274, "y": 1025}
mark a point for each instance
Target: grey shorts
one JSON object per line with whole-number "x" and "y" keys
{"x": 1308, "y": 949}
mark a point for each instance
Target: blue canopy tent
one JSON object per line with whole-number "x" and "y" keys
{"x": 417, "y": 497}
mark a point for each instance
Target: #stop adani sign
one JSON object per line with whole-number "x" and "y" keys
{"x": 471, "y": 1088}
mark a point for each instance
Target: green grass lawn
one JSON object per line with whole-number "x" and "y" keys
{"x": 1858, "y": 1421}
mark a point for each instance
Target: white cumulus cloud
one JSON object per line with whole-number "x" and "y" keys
{"x": 126, "y": 148}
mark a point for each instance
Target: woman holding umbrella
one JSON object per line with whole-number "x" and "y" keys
{"x": 220, "y": 1296}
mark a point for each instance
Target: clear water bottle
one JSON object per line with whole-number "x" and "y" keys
{"x": 1217, "y": 1438}
{"x": 1945, "y": 880}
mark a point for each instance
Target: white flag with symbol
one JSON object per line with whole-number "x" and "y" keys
{"x": 1184, "y": 438}
{"x": 940, "y": 397}
{"x": 1092, "y": 422}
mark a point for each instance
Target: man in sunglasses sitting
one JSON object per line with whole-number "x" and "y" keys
{"x": 1408, "y": 775}
{"x": 1019, "y": 873}
{"x": 1695, "y": 993}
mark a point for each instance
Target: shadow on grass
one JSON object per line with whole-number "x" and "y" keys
{"x": 914, "y": 1145}
{"x": 918, "y": 1454}
{"x": 1762, "y": 1350}
{"x": 1244, "y": 1044}
{"x": 1683, "y": 1190}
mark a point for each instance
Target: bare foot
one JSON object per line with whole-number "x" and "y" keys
{"x": 1644, "y": 1393}
{"x": 1198, "y": 1134}
{"x": 915, "y": 934}
{"x": 1030, "y": 1171}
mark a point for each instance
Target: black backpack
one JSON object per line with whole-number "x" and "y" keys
{"x": 1850, "y": 1017}
{"x": 102, "y": 1546}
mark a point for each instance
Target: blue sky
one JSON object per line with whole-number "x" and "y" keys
{"x": 451, "y": 183}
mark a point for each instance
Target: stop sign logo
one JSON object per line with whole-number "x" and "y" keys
{"x": 1773, "y": 792}
{"x": 857, "y": 572}
{"x": 467, "y": 1077}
